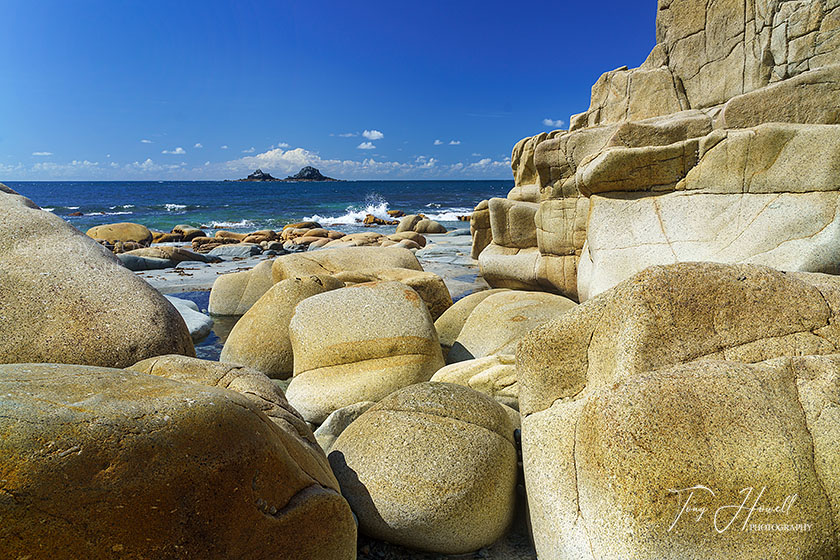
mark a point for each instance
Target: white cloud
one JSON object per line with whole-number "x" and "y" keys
{"x": 144, "y": 141}
{"x": 475, "y": 154}
{"x": 366, "y": 146}
{"x": 348, "y": 135}
{"x": 438, "y": 142}
{"x": 42, "y": 153}
{"x": 179, "y": 151}
{"x": 373, "y": 135}
{"x": 250, "y": 150}
{"x": 557, "y": 123}
{"x": 198, "y": 145}
{"x": 225, "y": 147}
{"x": 454, "y": 142}
{"x": 107, "y": 155}
{"x": 279, "y": 145}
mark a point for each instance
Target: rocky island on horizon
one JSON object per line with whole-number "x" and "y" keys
{"x": 307, "y": 173}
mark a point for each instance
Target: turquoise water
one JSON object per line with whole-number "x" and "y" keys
{"x": 252, "y": 206}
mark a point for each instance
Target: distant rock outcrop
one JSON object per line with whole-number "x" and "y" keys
{"x": 259, "y": 176}
{"x": 308, "y": 173}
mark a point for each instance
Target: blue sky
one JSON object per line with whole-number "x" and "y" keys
{"x": 132, "y": 90}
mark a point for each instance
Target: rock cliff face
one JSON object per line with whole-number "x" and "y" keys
{"x": 723, "y": 146}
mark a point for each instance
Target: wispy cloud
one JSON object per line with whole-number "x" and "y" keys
{"x": 179, "y": 151}
{"x": 373, "y": 134}
{"x": 145, "y": 141}
{"x": 250, "y": 150}
{"x": 42, "y": 153}
{"x": 198, "y": 145}
{"x": 366, "y": 146}
{"x": 550, "y": 122}
{"x": 225, "y": 147}
{"x": 280, "y": 145}
{"x": 454, "y": 142}
{"x": 347, "y": 135}
{"x": 438, "y": 142}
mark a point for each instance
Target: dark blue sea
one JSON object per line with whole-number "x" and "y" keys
{"x": 252, "y": 206}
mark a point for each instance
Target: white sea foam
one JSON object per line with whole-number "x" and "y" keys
{"x": 108, "y": 213}
{"x": 72, "y": 207}
{"x": 48, "y": 209}
{"x": 374, "y": 204}
{"x": 225, "y": 225}
{"x": 449, "y": 214}
{"x": 174, "y": 207}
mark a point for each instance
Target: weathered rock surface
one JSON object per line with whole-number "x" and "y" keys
{"x": 359, "y": 343}
{"x": 236, "y": 292}
{"x": 98, "y": 463}
{"x": 67, "y": 299}
{"x": 337, "y": 422}
{"x": 736, "y": 101}
{"x": 480, "y": 229}
{"x": 450, "y": 323}
{"x": 124, "y": 231}
{"x": 236, "y": 250}
{"x": 153, "y": 258}
{"x": 429, "y": 286}
{"x": 432, "y": 466}
{"x": 498, "y": 322}
{"x": 632, "y": 386}
{"x": 260, "y": 339}
{"x": 343, "y": 259}
{"x": 495, "y": 376}
{"x": 725, "y": 423}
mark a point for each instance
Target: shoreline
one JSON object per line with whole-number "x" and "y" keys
{"x": 446, "y": 255}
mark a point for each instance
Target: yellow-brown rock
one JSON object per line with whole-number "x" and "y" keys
{"x": 260, "y": 339}
{"x": 359, "y": 343}
{"x": 236, "y": 292}
{"x": 495, "y": 376}
{"x": 432, "y": 467}
{"x": 125, "y": 231}
{"x": 99, "y": 463}
{"x": 67, "y": 299}
{"x": 342, "y": 259}
{"x": 428, "y": 285}
{"x": 450, "y": 323}
{"x": 498, "y": 322}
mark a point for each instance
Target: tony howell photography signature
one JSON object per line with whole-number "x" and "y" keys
{"x": 694, "y": 508}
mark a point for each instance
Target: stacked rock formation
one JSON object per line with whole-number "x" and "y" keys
{"x": 722, "y": 146}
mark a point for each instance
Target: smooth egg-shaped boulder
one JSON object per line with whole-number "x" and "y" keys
{"x": 124, "y": 231}
{"x": 99, "y": 463}
{"x": 359, "y": 343}
{"x": 66, "y": 299}
{"x": 432, "y": 467}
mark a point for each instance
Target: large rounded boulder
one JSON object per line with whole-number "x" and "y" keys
{"x": 342, "y": 259}
{"x": 122, "y": 232}
{"x": 99, "y": 463}
{"x": 359, "y": 343}
{"x": 260, "y": 338}
{"x": 66, "y": 299}
{"x": 234, "y": 293}
{"x": 432, "y": 467}
{"x": 498, "y": 322}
